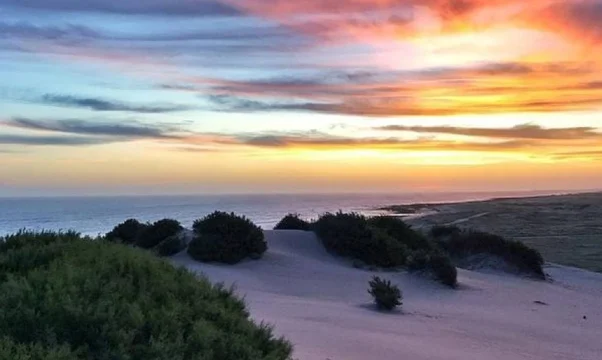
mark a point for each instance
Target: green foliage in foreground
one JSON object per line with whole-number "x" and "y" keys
{"x": 293, "y": 222}
{"x": 462, "y": 243}
{"x": 383, "y": 241}
{"x": 66, "y": 297}
{"x": 386, "y": 296}
{"x": 226, "y": 238}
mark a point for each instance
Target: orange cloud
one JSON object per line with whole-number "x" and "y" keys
{"x": 393, "y": 19}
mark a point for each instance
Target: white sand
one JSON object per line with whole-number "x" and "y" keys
{"x": 320, "y": 303}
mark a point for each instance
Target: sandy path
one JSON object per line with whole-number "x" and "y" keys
{"x": 320, "y": 303}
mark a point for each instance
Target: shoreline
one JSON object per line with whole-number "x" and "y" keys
{"x": 566, "y": 229}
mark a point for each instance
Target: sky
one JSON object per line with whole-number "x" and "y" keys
{"x": 243, "y": 96}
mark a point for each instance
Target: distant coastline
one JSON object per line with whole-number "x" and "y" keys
{"x": 565, "y": 228}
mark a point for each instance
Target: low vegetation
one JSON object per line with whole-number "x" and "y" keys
{"x": 383, "y": 242}
{"x": 350, "y": 235}
{"x": 293, "y": 222}
{"x": 386, "y": 296}
{"x": 226, "y": 238}
{"x": 153, "y": 234}
{"x": 402, "y": 232}
{"x": 464, "y": 243}
{"x": 162, "y": 236}
{"x": 127, "y": 232}
{"x": 443, "y": 231}
{"x": 64, "y": 297}
{"x": 171, "y": 246}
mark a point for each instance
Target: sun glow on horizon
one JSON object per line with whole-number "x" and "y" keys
{"x": 355, "y": 94}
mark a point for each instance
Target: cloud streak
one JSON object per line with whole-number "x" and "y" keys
{"x": 526, "y": 131}
{"x": 198, "y": 8}
{"x": 80, "y": 127}
{"x": 30, "y": 140}
{"x": 106, "y": 105}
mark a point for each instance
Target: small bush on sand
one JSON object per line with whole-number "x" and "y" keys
{"x": 386, "y": 296}
{"x": 80, "y": 299}
{"x": 153, "y": 234}
{"x": 127, "y": 232}
{"x": 226, "y": 238}
{"x": 400, "y": 231}
{"x": 514, "y": 252}
{"x": 293, "y": 222}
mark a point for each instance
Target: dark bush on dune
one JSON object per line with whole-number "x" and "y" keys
{"x": 153, "y": 234}
{"x": 127, "y": 232}
{"x": 400, "y": 231}
{"x": 171, "y": 246}
{"x": 436, "y": 263}
{"x": 386, "y": 296}
{"x": 79, "y": 299}
{"x": 385, "y": 251}
{"x": 350, "y": 235}
{"x": 293, "y": 222}
{"x": 226, "y": 238}
{"x": 344, "y": 234}
{"x": 418, "y": 260}
{"x": 383, "y": 241}
{"x": 443, "y": 269}
{"x": 442, "y": 231}
{"x": 514, "y": 252}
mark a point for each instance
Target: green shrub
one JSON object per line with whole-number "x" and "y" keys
{"x": 27, "y": 238}
{"x": 293, "y": 222}
{"x": 514, "y": 252}
{"x": 443, "y": 269}
{"x": 127, "y": 232}
{"x": 158, "y": 231}
{"x": 400, "y": 231}
{"x": 441, "y": 231}
{"x": 9, "y": 350}
{"x": 418, "y": 260}
{"x": 226, "y": 238}
{"x": 385, "y": 242}
{"x": 435, "y": 262}
{"x": 385, "y": 251}
{"x": 171, "y": 246}
{"x": 351, "y": 235}
{"x": 344, "y": 234}
{"x": 386, "y": 296}
{"x": 98, "y": 300}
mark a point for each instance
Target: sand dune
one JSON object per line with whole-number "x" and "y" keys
{"x": 320, "y": 303}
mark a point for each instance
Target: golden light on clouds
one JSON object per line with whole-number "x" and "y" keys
{"x": 361, "y": 93}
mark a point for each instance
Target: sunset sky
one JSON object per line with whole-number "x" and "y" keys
{"x": 223, "y": 96}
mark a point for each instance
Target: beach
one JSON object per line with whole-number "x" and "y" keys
{"x": 320, "y": 303}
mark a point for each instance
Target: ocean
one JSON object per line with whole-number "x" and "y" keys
{"x": 97, "y": 215}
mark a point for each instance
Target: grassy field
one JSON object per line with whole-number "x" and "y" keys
{"x": 566, "y": 229}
